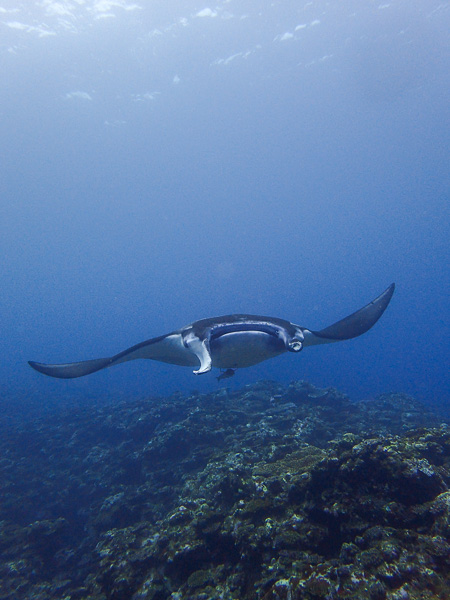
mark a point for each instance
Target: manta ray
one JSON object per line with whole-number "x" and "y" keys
{"x": 229, "y": 342}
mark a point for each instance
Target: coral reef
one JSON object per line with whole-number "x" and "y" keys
{"x": 267, "y": 493}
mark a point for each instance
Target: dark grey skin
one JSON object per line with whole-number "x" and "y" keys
{"x": 230, "y": 342}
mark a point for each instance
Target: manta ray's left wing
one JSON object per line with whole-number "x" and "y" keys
{"x": 352, "y": 326}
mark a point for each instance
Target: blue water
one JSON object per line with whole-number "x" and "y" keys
{"x": 168, "y": 161}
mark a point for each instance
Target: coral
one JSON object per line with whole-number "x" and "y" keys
{"x": 268, "y": 493}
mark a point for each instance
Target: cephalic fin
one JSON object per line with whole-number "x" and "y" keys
{"x": 200, "y": 347}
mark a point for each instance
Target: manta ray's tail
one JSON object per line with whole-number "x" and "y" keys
{"x": 71, "y": 370}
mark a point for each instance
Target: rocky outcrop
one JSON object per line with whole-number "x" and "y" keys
{"x": 270, "y": 493}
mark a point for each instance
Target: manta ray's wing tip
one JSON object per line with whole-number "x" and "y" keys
{"x": 357, "y": 323}
{"x": 59, "y": 371}
{"x": 37, "y": 366}
{"x": 71, "y": 370}
{"x": 390, "y": 289}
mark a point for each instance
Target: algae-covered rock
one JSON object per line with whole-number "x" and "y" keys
{"x": 266, "y": 493}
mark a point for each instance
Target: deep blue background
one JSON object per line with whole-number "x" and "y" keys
{"x": 147, "y": 181}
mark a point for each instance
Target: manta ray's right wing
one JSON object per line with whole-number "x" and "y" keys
{"x": 71, "y": 370}
{"x": 352, "y": 326}
{"x": 165, "y": 348}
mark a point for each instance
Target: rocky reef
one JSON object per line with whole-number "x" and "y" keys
{"x": 268, "y": 493}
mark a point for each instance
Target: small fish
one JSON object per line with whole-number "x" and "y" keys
{"x": 226, "y": 374}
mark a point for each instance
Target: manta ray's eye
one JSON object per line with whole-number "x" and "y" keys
{"x": 295, "y": 346}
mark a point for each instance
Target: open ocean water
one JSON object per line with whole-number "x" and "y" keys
{"x": 163, "y": 162}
